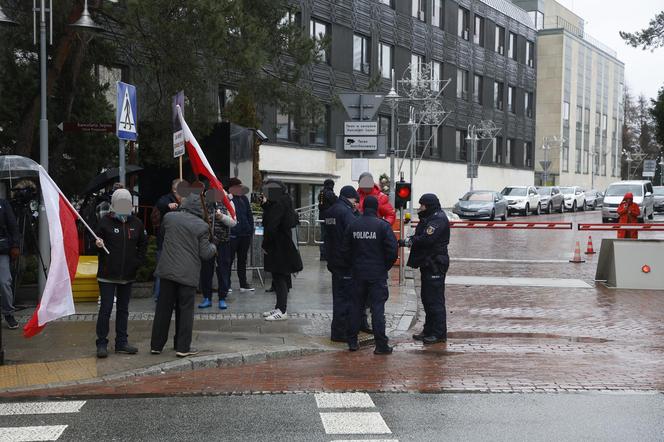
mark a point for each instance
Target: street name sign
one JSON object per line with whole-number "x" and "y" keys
{"x": 69, "y": 126}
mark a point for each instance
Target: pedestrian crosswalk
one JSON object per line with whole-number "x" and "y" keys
{"x": 355, "y": 419}
{"x": 36, "y": 432}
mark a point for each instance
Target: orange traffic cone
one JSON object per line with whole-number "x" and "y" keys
{"x": 589, "y": 248}
{"x": 577, "y": 254}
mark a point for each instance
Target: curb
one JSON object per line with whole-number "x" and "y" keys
{"x": 182, "y": 365}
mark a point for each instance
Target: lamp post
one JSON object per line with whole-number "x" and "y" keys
{"x": 393, "y": 98}
{"x": 84, "y": 23}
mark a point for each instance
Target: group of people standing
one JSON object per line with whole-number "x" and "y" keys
{"x": 360, "y": 249}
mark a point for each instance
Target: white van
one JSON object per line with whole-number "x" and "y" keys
{"x": 643, "y": 196}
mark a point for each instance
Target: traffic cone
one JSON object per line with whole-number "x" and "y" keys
{"x": 589, "y": 248}
{"x": 577, "y": 254}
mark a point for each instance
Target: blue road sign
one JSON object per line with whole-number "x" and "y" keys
{"x": 127, "y": 115}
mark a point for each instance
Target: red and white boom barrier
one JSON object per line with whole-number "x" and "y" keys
{"x": 650, "y": 227}
{"x": 509, "y": 225}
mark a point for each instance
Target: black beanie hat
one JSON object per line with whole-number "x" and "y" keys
{"x": 370, "y": 202}
{"x": 328, "y": 184}
{"x": 349, "y": 192}
{"x": 430, "y": 200}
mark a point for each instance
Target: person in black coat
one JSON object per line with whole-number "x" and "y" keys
{"x": 124, "y": 236}
{"x": 428, "y": 252}
{"x": 242, "y": 233}
{"x": 336, "y": 220}
{"x": 282, "y": 257}
{"x": 370, "y": 249}
{"x": 326, "y": 198}
{"x": 9, "y": 251}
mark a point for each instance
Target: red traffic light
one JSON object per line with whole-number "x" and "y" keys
{"x": 404, "y": 192}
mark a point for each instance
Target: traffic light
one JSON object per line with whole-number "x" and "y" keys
{"x": 402, "y": 195}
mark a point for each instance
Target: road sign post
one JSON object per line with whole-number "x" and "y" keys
{"x": 126, "y": 121}
{"x": 178, "y": 134}
{"x": 649, "y": 167}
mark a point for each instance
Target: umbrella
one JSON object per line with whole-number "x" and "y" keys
{"x": 107, "y": 177}
{"x": 16, "y": 167}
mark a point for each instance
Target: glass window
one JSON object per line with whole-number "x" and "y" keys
{"x": 510, "y": 99}
{"x": 463, "y": 25}
{"x": 498, "y": 94}
{"x": 416, "y": 62}
{"x": 604, "y": 122}
{"x": 436, "y": 74}
{"x": 528, "y": 154}
{"x": 498, "y": 150}
{"x": 285, "y": 127}
{"x": 478, "y": 89}
{"x": 389, "y": 3}
{"x": 361, "y": 54}
{"x": 478, "y": 31}
{"x": 499, "y": 45}
{"x": 528, "y": 104}
{"x": 318, "y": 30}
{"x": 565, "y": 165}
{"x": 437, "y": 13}
{"x": 508, "y": 151}
{"x": 385, "y": 128}
{"x": 538, "y": 19}
{"x": 418, "y": 9}
{"x": 462, "y": 84}
{"x": 566, "y": 112}
{"x": 385, "y": 60}
{"x": 511, "y": 48}
{"x": 461, "y": 145}
{"x": 530, "y": 53}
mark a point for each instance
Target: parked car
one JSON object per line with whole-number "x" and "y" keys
{"x": 551, "y": 199}
{"x": 643, "y": 196}
{"x": 523, "y": 199}
{"x": 594, "y": 199}
{"x": 575, "y": 198}
{"x": 482, "y": 204}
{"x": 658, "y": 198}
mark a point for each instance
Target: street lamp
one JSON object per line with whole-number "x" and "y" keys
{"x": 84, "y": 23}
{"x": 628, "y": 158}
{"x": 393, "y": 98}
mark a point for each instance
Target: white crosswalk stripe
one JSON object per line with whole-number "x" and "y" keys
{"x": 26, "y": 434}
{"x": 37, "y": 432}
{"x": 344, "y": 400}
{"x": 351, "y": 422}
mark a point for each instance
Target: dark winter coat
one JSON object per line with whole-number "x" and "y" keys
{"x": 369, "y": 247}
{"x": 336, "y": 220}
{"x": 281, "y": 254}
{"x": 429, "y": 244}
{"x": 162, "y": 205}
{"x": 9, "y": 236}
{"x": 245, "y": 218}
{"x": 186, "y": 243}
{"x": 127, "y": 243}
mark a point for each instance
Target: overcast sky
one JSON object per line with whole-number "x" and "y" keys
{"x": 644, "y": 70}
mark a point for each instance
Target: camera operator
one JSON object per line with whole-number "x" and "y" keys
{"x": 9, "y": 250}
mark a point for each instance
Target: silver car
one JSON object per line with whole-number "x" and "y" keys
{"x": 594, "y": 199}
{"x": 551, "y": 199}
{"x": 658, "y": 198}
{"x": 480, "y": 204}
{"x": 643, "y": 196}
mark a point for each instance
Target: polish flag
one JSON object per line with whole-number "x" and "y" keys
{"x": 200, "y": 164}
{"x": 57, "y": 300}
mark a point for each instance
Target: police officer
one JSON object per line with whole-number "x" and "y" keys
{"x": 429, "y": 254}
{"x": 370, "y": 248}
{"x": 336, "y": 220}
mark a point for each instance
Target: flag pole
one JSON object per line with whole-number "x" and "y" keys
{"x": 72, "y": 208}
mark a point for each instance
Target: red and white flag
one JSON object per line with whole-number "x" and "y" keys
{"x": 57, "y": 300}
{"x": 200, "y": 164}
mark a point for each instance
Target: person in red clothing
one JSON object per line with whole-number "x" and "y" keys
{"x": 367, "y": 186}
{"x": 629, "y": 214}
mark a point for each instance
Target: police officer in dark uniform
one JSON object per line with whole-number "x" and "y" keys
{"x": 370, "y": 248}
{"x": 326, "y": 198}
{"x": 336, "y": 220}
{"x": 429, "y": 254}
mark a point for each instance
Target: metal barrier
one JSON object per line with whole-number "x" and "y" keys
{"x": 256, "y": 256}
{"x": 652, "y": 227}
{"x": 508, "y": 225}
{"x": 310, "y": 225}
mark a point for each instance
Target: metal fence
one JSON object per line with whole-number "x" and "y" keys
{"x": 309, "y": 229}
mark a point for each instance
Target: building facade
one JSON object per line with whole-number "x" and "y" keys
{"x": 485, "y": 47}
{"x": 581, "y": 86}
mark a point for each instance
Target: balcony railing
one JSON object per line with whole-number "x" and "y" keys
{"x": 561, "y": 23}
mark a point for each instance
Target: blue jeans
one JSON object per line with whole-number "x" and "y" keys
{"x": 107, "y": 291}
{"x": 223, "y": 264}
{"x": 6, "y": 285}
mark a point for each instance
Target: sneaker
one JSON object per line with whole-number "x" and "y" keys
{"x": 102, "y": 351}
{"x": 230, "y": 290}
{"x": 126, "y": 349}
{"x": 247, "y": 288}
{"x": 270, "y": 313}
{"x": 385, "y": 350}
{"x": 183, "y": 354}
{"x": 12, "y": 324}
{"x": 222, "y": 304}
{"x": 207, "y": 303}
{"x": 155, "y": 352}
{"x": 278, "y": 316}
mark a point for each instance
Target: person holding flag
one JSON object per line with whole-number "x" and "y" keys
{"x": 123, "y": 234}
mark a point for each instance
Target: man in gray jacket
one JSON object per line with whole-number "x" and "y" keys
{"x": 186, "y": 243}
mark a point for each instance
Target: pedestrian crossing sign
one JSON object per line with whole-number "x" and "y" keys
{"x": 127, "y": 116}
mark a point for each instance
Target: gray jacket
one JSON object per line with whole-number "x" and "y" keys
{"x": 186, "y": 243}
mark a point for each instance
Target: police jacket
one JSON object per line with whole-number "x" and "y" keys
{"x": 127, "y": 243}
{"x": 9, "y": 236}
{"x": 428, "y": 248}
{"x": 336, "y": 220}
{"x": 369, "y": 247}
